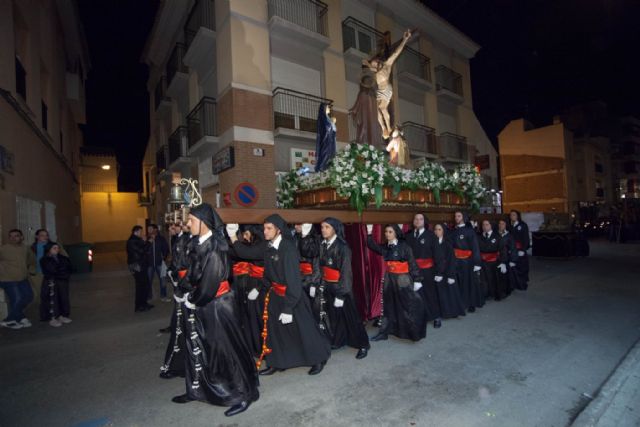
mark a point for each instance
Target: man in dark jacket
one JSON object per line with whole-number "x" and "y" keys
{"x": 157, "y": 252}
{"x": 137, "y": 261}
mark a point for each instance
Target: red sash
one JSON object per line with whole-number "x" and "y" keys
{"x": 306, "y": 268}
{"x": 397, "y": 267}
{"x": 330, "y": 274}
{"x": 518, "y": 245}
{"x": 182, "y": 273}
{"x": 279, "y": 288}
{"x": 240, "y": 268}
{"x": 223, "y": 288}
{"x": 489, "y": 256}
{"x": 462, "y": 253}
{"x": 424, "y": 263}
{"x": 256, "y": 271}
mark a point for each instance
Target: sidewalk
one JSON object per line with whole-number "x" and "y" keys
{"x": 618, "y": 402}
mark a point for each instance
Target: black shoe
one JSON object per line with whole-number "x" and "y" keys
{"x": 236, "y": 409}
{"x": 377, "y": 323}
{"x": 437, "y": 323}
{"x": 362, "y": 353}
{"x": 316, "y": 369}
{"x": 165, "y": 330}
{"x": 380, "y": 337}
{"x": 167, "y": 375}
{"x": 183, "y": 398}
{"x": 269, "y": 371}
{"x": 471, "y": 310}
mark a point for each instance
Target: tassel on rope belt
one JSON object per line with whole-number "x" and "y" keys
{"x": 330, "y": 275}
{"x": 280, "y": 290}
{"x": 424, "y": 263}
{"x": 306, "y": 268}
{"x": 256, "y": 271}
{"x": 397, "y": 267}
{"x": 489, "y": 256}
{"x": 463, "y": 253}
{"x": 241, "y": 268}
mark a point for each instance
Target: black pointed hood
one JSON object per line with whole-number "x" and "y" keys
{"x": 279, "y": 222}
{"x": 208, "y": 215}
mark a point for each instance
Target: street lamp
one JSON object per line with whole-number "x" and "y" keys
{"x": 183, "y": 195}
{"x": 106, "y": 167}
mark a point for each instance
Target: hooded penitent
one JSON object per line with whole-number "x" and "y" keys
{"x": 337, "y": 226}
{"x": 211, "y": 219}
{"x": 279, "y": 222}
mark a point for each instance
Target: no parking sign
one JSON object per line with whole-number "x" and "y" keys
{"x": 246, "y": 194}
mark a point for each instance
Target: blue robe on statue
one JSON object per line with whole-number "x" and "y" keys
{"x": 325, "y": 139}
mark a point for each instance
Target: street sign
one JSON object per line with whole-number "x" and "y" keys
{"x": 246, "y": 194}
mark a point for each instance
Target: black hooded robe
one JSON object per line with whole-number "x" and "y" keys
{"x": 511, "y": 278}
{"x": 492, "y": 253}
{"x": 403, "y": 308}
{"x": 464, "y": 240}
{"x": 422, "y": 247}
{"x": 448, "y": 294}
{"x": 520, "y": 234}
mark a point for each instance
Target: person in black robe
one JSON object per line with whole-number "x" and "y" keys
{"x": 291, "y": 336}
{"x": 494, "y": 262}
{"x": 403, "y": 306}
{"x": 335, "y": 260}
{"x": 509, "y": 246}
{"x": 219, "y": 366}
{"x": 421, "y": 241}
{"x": 248, "y": 282}
{"x": 445, "y": 275}
{"x": 520, "y": 232}
{"x": 174, "y": 363}
{"x": 325, "y": 138}
{"x": 468, "y": 262}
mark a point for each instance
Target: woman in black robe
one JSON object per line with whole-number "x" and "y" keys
{"x": 445, "y": 276}
{"x": 292, "y": 336}
{"x": 335, "y": 260}
{"x": 494, "y": 259}
{"x": 468, "y": 262}
{"x": 403, "y": 306}
{"x": 509, "y": 247}
{"x": 219, "y": 366}
{"x": 520, "y": 232}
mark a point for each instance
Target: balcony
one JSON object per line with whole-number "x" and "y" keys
{"x": 421, "y": 139}
{"x": 449, "y": 84}
{"x": 161, "y": 159}
{"x": 202, "y": 128}
{"x": 298, "y": 30}
{"x": 359, "y": 41}
{"x": 414, "y": 73}
{"x": 200, "y": 37}
{"x": 161, "y": 99}
{"x": 295, "y": 113}
{"x": 178, "y": 149}
{"x": 454, "y": 148}
{"x": 177, "y": 72}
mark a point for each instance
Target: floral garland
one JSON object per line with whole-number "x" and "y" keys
{"x": 360, "y": 171}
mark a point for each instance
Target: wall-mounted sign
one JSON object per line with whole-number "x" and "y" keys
{"x": 246, "y": 194}
{"x": 301, "y": 157}
{"x": 222, "y": 160}
{"x": 6, "y": 160}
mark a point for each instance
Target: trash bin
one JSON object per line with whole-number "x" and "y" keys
{"x": 81, "y": 256}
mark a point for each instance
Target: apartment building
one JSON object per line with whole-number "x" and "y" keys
{"x": 43, "y": 66}
{"x": 235, "y": 88}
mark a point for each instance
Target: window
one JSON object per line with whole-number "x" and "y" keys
{"x": 21, "y": 79}
{"x": 45, "y": 112}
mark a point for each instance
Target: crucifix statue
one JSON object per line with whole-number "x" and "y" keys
{"x": 382, "y": 68}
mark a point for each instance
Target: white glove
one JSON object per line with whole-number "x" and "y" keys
{"x": 187, "y": 303}
{"x": 520, "y": 253}
{"x": 285, "y": 318}
{"x": 512, "y": 264}
{"x": 337, "y": 303}
{"x": 451, "y": 281}
{"x": 503, "y": 268}
{"x": 416, "y": 286}
{"x": 312, "y": 291}
{"x": 438, "y": 279}
{"x": 232, "y": 229}
{"x": 253, "y": 294}
{"x": 476, "y": 268}
{"x": 178, "y": 299}
{"x": 306, "y": 228}
{"x": 369, "y": 228}
{"x": 173, "y": 281}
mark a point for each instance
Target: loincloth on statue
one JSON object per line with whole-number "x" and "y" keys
{"x": 385, "y": 93}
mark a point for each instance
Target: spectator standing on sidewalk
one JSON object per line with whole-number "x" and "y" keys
{"x": 157, "y": 252}
{"x": 17, "y": 262}
{"x": 137, "y": 261}
{"x": 42, "y": 238}
{"x": 54, "y": 294}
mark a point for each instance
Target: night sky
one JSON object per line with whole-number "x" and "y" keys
{"x": 537, "y": 58}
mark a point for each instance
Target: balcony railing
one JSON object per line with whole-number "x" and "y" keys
{"x": 415, "y": 63}
{"x": 420, "y": 138}
{"x": 160, "y": 92}
{"x": 178, "y": 144}
{"x": 360, "y": 36}
{"x": 309, "y": 14}
{"x": 296, "y": 110}
{"x": 203, "y": 14}
{"x": 201, "y": 121}
{"x": 161, "y": 158}
{"x": 176, "y": 63}
{"x": 448, "y": 79}
{"x": 454, "y": 146}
